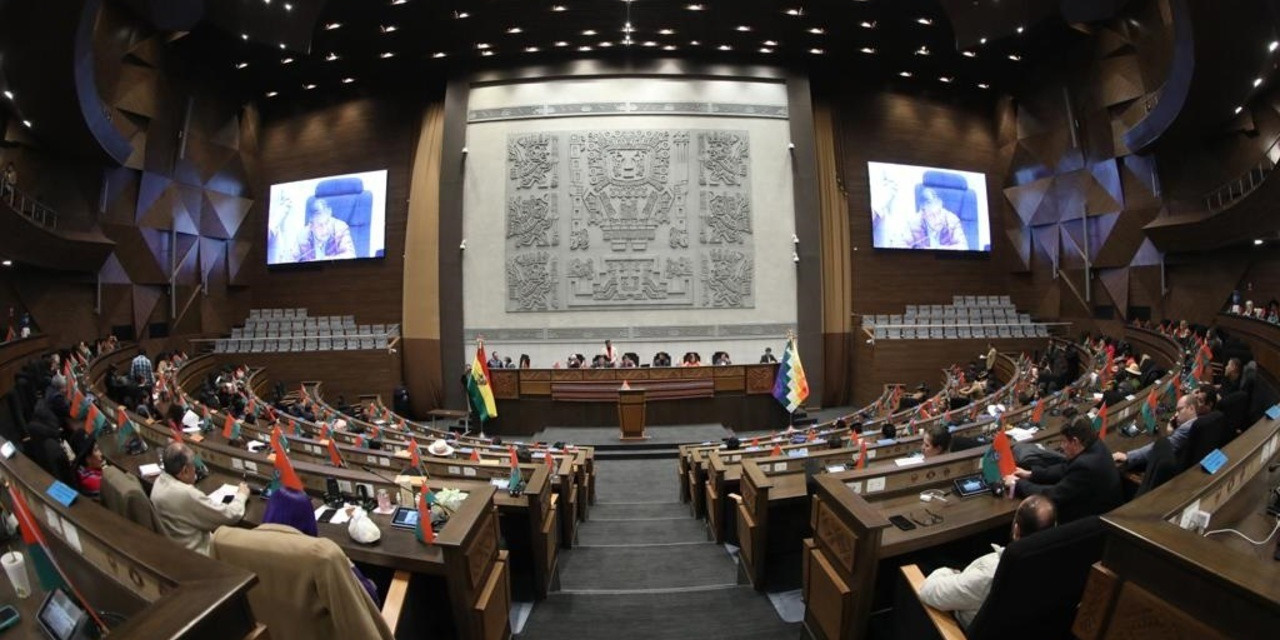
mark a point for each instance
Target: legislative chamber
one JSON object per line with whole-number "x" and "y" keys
{"x": 639, "y": 319}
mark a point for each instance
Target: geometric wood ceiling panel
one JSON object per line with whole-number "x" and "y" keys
{"x": 1116, "y": 282}
{"x": 144, "y": 304}
{"x": 1026, "y": 199}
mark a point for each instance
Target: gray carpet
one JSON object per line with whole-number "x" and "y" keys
{"x": 722, "y": 614}
{"x": 634, "y": 532}
{"x": 646, "y": 567}
{"x": 638, "y": 511}
{"x": 636, "y": 480}
{"x": 595, "y": 436}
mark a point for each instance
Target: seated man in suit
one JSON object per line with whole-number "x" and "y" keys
{"x": 1179, "y": 429}
{"x": 187, "y": 516}
{"x": 1231, "y": 377}
{"x": 933, "y": 227}
{"x": 768, "y": 357}
{"x": 1089, "y": 484}
{"x": 325, "y": 237}
{"x": 963, "y": 592}
{"x": 938, "y": 440}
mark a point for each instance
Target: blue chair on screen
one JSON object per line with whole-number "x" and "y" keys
{"x": 957, "y": 197}
{"x": 352, "y": 204}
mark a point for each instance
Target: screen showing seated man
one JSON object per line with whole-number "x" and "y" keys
{"x": 331, "y": 218}
{"x": 928, "y": 208}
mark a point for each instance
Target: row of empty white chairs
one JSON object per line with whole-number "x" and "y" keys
{"x": 1012, "y": 317}
{"x": 298, "y": 331}
{"x": 961, "y": 333}
{"x": 278, "y": 345}
{"x": 279, "y": 314}
{"x": 979, "y": 301}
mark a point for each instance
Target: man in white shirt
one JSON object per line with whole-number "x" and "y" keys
{"x": 963, "y": 592}
{"x": 186, "y": 514}
{"x": 610, "y": 354}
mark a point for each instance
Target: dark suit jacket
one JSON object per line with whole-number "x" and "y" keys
{"x": 1088, "y": 485}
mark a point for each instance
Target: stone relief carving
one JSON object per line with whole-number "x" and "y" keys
{"x": 622, "y": 198}
{"x": 726, "y": 218}
{"x": 531, "y": 220}
{"x": 531, "y": 161}
{"x": 531, "y": 281}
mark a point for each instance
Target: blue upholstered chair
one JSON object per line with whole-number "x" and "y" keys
{"x": 352, "y": 204}
{"x": 957, "y": 197}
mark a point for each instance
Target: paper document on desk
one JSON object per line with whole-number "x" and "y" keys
{"x": 195, "y": 429}
{"x": 1019, "y": 434}
{"x": 220, "y": 494}
{"x": 501, "y": 483}
{"x": 149, "y": 470}
{"x": 341, "y": 515}
{"x": 908, "y": 461}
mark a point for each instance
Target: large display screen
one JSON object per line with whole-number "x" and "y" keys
{"x": 928, "y": 208}
{"x": 331, "y": 218}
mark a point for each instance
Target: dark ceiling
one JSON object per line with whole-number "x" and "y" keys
{"x": 375, "y": 45}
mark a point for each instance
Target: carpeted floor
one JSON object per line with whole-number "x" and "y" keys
{"x": 644, "y": 570}
{"x": 597, "y": 436}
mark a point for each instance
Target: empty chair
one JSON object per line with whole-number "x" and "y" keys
{"x": 348, "y": 321}
{"x": 326, "y": 344}
{"x": 881, "y": 333}
{"x": 310, "y": 344}
{"x": 297, "y": 344}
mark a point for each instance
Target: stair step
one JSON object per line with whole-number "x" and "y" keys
{"x": 641, "y": 532}
{"x": 646, "y": 567}
{"x": 638, "y": 511}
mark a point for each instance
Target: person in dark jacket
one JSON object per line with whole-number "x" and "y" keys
{"x": 1089, "y": 484}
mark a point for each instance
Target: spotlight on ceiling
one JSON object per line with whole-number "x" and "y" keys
{"x": 867, "y": 50}
{"x": 331, "y": 57}
{"x": 983, "y": 85}
{"x": 968, "y": 54}
{"x": 439, "y": 54}
{"x": 514, "y": 30}
{"x": 694, "y": 7}
{"x": 1257, "y": 82}
{"x": 348, "y": 80}
{"x": 1238, "y": 110}
{"x": 386, "y": 54}
{"x": 666, "y": 32}
{"x": 272, "y": 94}
{"x": 924, "y": 21}
{"x": 905, "y": 74}
{"x": 332, "y": 25}
{"x": 8, "y": 94}
{"x": 1275, "y": 44}
{"x": 817, "y": 52}
{"x": 817, "y": 31}
{"x": 867, "y": 24}
{"x": 241, "y": 65}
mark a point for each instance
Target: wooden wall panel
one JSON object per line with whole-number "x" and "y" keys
{"x": 358, "y": 135}
{"x": 914, "y": 361}
{"x": 350, "y": 373}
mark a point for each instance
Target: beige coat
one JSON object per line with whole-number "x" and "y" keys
{"x": 187, "y": 516}
{"x": 305, "y": 585}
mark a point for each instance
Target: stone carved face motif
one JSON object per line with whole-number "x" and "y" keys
{"x": 627, "y": 164}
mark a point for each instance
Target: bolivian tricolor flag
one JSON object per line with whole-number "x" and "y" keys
{"x": 478, "y": 387}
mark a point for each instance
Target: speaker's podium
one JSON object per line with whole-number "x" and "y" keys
{"x": 631, "y": 413}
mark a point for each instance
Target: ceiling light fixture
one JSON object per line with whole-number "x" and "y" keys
{"x": 1256, "y": 242}
{"x": 669, "y": 47}
{"x": 817, "y": 52}
{"x": 1015, "y": 57}
{"x": 8, "y": 94}
{"x": 308, "y": 87}
{"x": 241, "y": 65}
{"x": 905, "y": 74}
{"x": 867, "y": 24}
{"x": 694, "y": 43}
{"x": 605, "y": 45}
{"x": 1275, "y": 44}
{"x": 968, "y": 54}
{"x": 694, "y": 7}
{"x": 924, "y": 21}
{"x": 486, "y": 53}
{"x": 348, "y": 80}
{"x": 945, "y": 79}
{"x": 244, "y": 36}
{"x": 982, "y": 40}
{"x": 482, "y": 45}
{"x": 439, "y": 54}
{"x": 1021, "y": 29}
{"x": 666, "y": 32}
{"x": 725, "y": 47}
{"x": 648, "y": 43}
{"x": 627, "y": 28}
{"x": 288, "y": 7}
{"x": 332, "y": 25}
{"x": 557, "y": 7}
{"x": 461, "y": 15}
{"x": 1238, "y": 110}
{"x": 272, "y": 94}
{"x": 331, "y": 57}
{"x": 1257, "y": 82}
{"x": 922, "y": 51}
{"x": 26, "y": 123}
{"x": 770, "y": 43}
{"x": 589, "y": 32}
{"x": 386, "y": 54}
{"x": 983, "y": 85}
{"x": 743, "y": 28}
{"x": 391, "y": 28}
{"x": 395, "y": 2}
{"x": 286, "y": 61}
{"x": 766, "y": 50}
{"x": 561, "y": 43}
{"x": 514, "y": 30}
{"x": 9, "y": 263}
{"x": 531, "y": 49}
{"x": 794, "y": 12}
{"x": 867, "y": 50}
{"x": 584, "y": 48}
{"x": 817, "y": 31}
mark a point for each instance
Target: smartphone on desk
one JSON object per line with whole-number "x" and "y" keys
{"x": 8, "y": 617}
{"x": 902, "y": 522}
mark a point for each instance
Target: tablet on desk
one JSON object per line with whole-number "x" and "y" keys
{"x": 405, "y": 518}
{"x": 969, "y": 486}
{"x": 62, "y": 618}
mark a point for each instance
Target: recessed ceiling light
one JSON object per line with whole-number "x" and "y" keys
{"x": 26, "y": 123}
{"x": 922, "y": 51}
{"x": 282, "y": 46}
{"x": 924, "y": 21}
{"x": 1021, "y": 29}
{"x": 486, "y": 53}
{"x": 694, "y": 7}
{"x": 348, "y": 80}
{"x": 482, "y": 45}
{"x": 8, "y": 94}
{"x": 391, "y": 28}
{"x": 627, "y": 28}
{"x": 398, "y": 1}
{"x": 666, "y": 32}
{"x": 332, "y": 25}
{"x": 1274, "y": 45}
{"x": 439, "y": 54}
{"x": 968, "y": 54}
{"x": 794, "y": 12}
{"x": 557, "y": 7}
{"x": 1257, "y": 82}
{"x": 945, "y": 79}
{"x": 584, "y": 48}
{"x": 669, "y": 47}
{"x": 867, "y": 24}
{"x": 766, "y": 50}
{"x": 744, "y": 28}
{"x": 461, "y": 15}
{"x": 648, "y": 43}
{"x": 561, "y": 43}
{"x": 605, "y": 45}
{"x": 589, "y": 32}
{"x": 241, "y": 65}
{"x": 9, "y": 263}
{"x": 770, "y": 43}
{"x": 244, "y": 36}
{"x": 531, "y": 49}
{"x": 288, "y": 6}
{"x": 694, "y": 43}
{"x": 867, "y": 50}
{"x": 1015, "y": 57}
{"x": 1238, "y": 110}
{"x": 817, "y": 52}
{"x": 983, "y": 85}
{"x": 514, "y": 30}
{"x": 308, "y": 87}
{"x": 386, "y": 54}
{"x": 982, "y": 40}
{"x": 331, "y": 57}
{"x": 817, "y": 31}
{"x": 286, "y": 60}
{"x": 1256, "y": 242}
{"x": 905, "y": 74}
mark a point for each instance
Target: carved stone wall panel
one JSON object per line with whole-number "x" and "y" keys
{"x": 629, "y": 201}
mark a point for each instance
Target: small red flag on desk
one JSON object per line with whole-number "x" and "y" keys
{"x": 777, "y": 450}
{"x": 755, "y": 442}
{"x": 288, "y": 477}
{"x": 1005, "y": 451}
{"x": 551, "y": 461}
{"x": 426, "y": 534}
{"x": 1038, "y": 412}
{"x": 334, "y": 456}
{"x": 475, "y": 455}
{"x": 415, "y": 458}
{"x": 515, "y": 462}
{"x": 862, "y": 454}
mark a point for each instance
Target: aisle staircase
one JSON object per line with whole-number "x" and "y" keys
{"x": 644, "y": 570}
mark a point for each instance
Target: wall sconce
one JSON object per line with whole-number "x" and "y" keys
{"x": 465, "y": 151}
{"x": 791, "y": 146}
{"x": 462, "y": 246}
